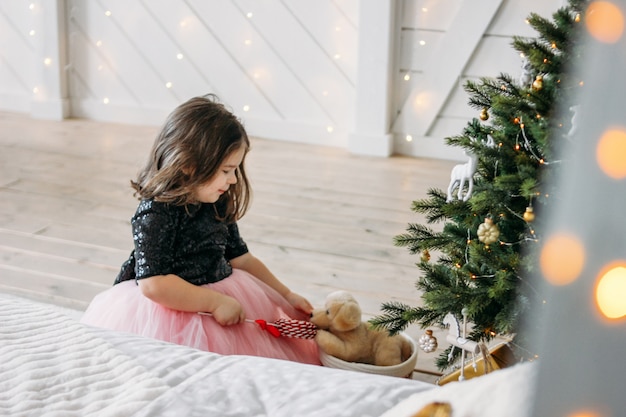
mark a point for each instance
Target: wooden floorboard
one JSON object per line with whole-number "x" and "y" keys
{"x": 321, "y": 219}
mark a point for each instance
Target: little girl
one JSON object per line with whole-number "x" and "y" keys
{"x": 189, "y": 256}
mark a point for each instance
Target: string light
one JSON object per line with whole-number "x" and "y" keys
{"x": 610, "y": 287}
{"x": 330, "y": 129}
{"x": 562, "y": 258}
{"x": 105, "y": 100}
{"x": 246, "y": 108}
{"x": 409, "y": 138}
{"x": 473, "y": 276}
{"x": 407, "y": 76}
{"x": 528, "y": 146}
{"x": 168, "y": 85}
{"x": 611, "y": 152}
{"x": 249, "y": 15}
{"x": 605, "y": 21}
{"x": 107, "y": 13}
{"x": 179, "y": 56}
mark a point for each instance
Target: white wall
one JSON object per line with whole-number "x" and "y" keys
{"x": 329, "y": 72}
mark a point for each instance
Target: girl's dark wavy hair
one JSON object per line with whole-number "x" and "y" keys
{"x": 196, "y": 139}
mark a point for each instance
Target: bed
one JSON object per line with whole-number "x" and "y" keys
{"x": 52, "y": 365}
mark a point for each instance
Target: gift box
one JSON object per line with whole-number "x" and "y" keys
{"x": 498, "y": 357}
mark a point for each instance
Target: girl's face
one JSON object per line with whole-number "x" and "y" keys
{"x": 211, "y": 191}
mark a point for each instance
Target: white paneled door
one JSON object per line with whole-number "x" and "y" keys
{"x": 371, "y": 76}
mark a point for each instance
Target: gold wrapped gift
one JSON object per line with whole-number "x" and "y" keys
{"x": 498, "y": 357}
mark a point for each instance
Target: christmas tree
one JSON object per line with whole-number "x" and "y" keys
{"x": 491, "y": 213}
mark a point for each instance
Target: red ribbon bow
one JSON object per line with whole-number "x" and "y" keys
{"x": 273, "y": 330}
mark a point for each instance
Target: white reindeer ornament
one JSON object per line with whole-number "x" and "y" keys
{"x": 461, "y": 174}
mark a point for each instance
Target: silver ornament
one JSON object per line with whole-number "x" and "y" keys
{"x": 427, "y": 342}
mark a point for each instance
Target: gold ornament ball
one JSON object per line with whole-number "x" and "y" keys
{"x": 529, "y": 214}
{"x": 488, "y": 232}
{"x": 425, "y": 255}
{"x": 538, "y": 83}
{"x": 484, "y": 115}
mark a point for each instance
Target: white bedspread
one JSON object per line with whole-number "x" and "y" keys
{"x": 51, "y": 365}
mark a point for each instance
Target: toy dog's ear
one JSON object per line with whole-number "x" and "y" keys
{"x": 348, "y": 317}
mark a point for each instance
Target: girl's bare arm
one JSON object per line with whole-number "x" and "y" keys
{"x": 257, "y": 268}
{"x": 175, "y": 293}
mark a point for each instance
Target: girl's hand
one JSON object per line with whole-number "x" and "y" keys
{"x": 299, "y": 302}
{"x": 229, "y": 311}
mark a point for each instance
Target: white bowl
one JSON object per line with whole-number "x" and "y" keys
{"x": 404, "y": 369}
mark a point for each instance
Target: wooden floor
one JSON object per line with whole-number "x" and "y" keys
{"x": 321, "y": 219}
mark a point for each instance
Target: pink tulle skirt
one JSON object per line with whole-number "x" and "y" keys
{"x": 124, "y": 308}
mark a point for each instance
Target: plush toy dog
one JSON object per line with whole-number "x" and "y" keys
{"x": 343, "y": 335}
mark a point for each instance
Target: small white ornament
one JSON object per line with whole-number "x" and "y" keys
{"x": 527, "y": 77}
{"x": 488, "y": 232}
{"x": 574, "y": 127}
{"x": 427, "y": 342}
{"x": 461, "y": 174}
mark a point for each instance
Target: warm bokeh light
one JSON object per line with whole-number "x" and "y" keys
{"x": 611, "y": 291}
{"x": 611, "y": 153}
{"x": 423, "y": 101}
{"x": 585, "y": 414}
{"x": 562, "y": 259}
{"x": 605, "y": 21}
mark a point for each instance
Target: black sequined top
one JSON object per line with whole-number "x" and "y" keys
{"x": 188, "y": 242}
